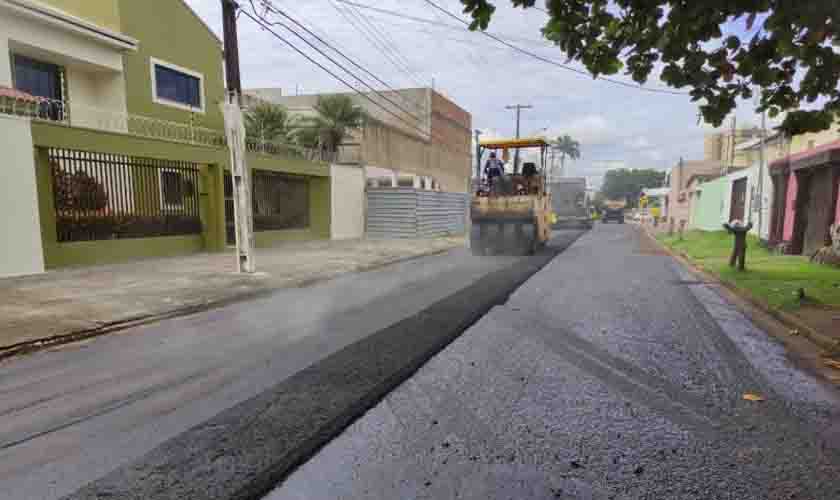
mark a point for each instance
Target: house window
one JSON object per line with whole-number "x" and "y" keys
{"x": 42, "y": 80}
{"x": 38, "y": 78}
{"x": 175, "y": 189}
{"x": 176, "y": 86}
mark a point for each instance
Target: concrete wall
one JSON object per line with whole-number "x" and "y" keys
{"x": 348, "y": 202}
{"x": 409, "y": 108}
{"x": 21, "y": 252}
{"x": 97, "y": 99}
{"x": 712, "y": 208}
{"x": 388, "y": 143}
{"x": 709, "y": 207}
{"x": 804, "y": 142}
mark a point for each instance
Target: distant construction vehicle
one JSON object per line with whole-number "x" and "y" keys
{"x": 511, "y": 214}
{"x": 614, "y": 211}
{"x": 570, "y": 203}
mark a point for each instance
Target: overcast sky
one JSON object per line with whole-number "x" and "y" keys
{"x": 617, "y": 126}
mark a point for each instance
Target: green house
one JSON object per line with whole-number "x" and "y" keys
{"x": 119, "y": 100}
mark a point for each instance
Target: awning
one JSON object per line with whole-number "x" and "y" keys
{"x": 818, "y": 156}
{"x": 525, "y": 142}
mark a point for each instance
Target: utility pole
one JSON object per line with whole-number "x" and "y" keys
{"x": 731, "y": 147}
{"x": 518, "y": 108}
{"x": 762, "y": 157}
{"x": 478, "y": 155}
{"x": 235, "y": 133}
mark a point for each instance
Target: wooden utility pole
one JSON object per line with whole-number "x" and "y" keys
{"x": 518, "y": 108}
{"x": 235, "y": 133}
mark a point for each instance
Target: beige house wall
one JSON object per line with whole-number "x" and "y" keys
{"x": 21, "y": 252}
{"x": 388, "y": 143}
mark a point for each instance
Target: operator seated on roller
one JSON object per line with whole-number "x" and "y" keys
{"x": 529, "y": 171}
{"x": 493, "y": 169}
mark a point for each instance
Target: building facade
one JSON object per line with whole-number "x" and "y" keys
{"x": 114, "y": 139}
{"x": 806, "y": 187}
{"x": 424, "y": 140}
{"x": 745, "y": 195}
{"x": 679, "y": 200}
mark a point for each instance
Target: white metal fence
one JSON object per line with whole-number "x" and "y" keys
{"x": 415, "y": 213}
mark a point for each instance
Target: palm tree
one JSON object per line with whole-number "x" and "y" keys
{"x": 337, "y": 117}
{"x": 566, "y": 146}
{"x": 266, "y": 123}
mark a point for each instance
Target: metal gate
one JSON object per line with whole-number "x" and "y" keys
{"x": 414, "y": 213}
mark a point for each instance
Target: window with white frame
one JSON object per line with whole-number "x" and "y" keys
{"x": 175, "y": 86}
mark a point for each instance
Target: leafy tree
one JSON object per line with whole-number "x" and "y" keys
{"x": 717, "y": 49}
{"x": 627, "y": 184}
{"x": 304, "y": 132}
{"x": 337, "y": 116}
{"x": 267, "y": 122}
{"x": 566, "y": 146}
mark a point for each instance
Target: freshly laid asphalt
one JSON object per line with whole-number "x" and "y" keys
{"x": 223, "y": 404}
{"x": 613, "y": 373}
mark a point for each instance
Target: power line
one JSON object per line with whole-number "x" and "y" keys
{"x": 438, "y": 23}
{"x": 388, "y": 42}
{"x": 276, "y": 10}
{"x": 515, "y": 47}
{"x": 362, "y": 81}
{"x": 352, "y": 18}
{"x": 552, "y": 62}
{"x": 269, "y": 29}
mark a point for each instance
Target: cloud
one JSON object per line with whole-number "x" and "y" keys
{"x": 589, "y": 130}
{"x": 639, "y": 142}
{"x": 616, "y": 125}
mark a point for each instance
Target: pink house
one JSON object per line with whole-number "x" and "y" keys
{"x": 806, "y": 202}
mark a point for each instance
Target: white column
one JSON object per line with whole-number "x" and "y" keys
{"x": 417, "y": 182}
{"x": 394, "y": 178}
{"x": 22, "y": 251}
{"x": 427, "y": 183}
{"x": 5, "y": 63}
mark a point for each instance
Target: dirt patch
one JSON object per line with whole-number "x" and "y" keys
{"x": 648, "y": 246}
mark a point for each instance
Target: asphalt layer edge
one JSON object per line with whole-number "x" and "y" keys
{"x": 244, "y": 452}
{"x": 122, "y": 324}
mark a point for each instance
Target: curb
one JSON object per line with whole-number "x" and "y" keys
{"x": 244, "y": 452}
{"x": 32, "y": 346}
{"x": 788, "y": 320}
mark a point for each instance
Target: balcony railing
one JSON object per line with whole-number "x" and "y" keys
{"x": 16, "y": 103}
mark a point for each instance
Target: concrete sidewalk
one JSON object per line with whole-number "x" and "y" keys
{"x": 92, "y": 299}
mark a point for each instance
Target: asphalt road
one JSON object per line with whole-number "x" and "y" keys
{"x": 611, "y": 374}
{"x": 71, "y": 416}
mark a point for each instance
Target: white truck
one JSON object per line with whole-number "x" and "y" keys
{"x": 570, "y": 203}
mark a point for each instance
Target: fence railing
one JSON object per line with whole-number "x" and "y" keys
{"x": 24, "y": 105}
{"x": 100, "y": 196}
